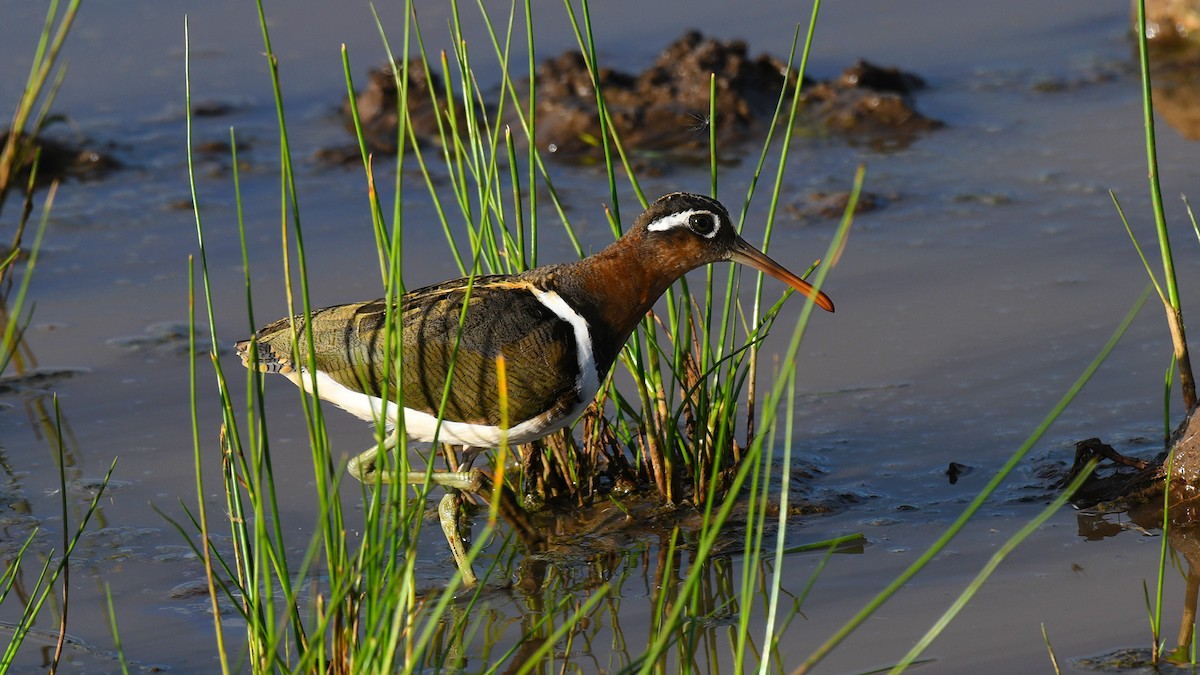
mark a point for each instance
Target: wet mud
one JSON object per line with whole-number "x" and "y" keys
{"x": 1123, "y": 482}
{"x": 59, "y": 159}
{"x": 579, "y": 536}
{"x": 816, "y": 205}
{"x": 165, "y": 338}
{"x": 1170, "y": 21}
{"x": 378, "y": 106}
{"x": 37, "y": 382}
{"x": 664, "y": 110}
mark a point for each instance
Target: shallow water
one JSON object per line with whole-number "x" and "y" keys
{"x": 966, "y": 307}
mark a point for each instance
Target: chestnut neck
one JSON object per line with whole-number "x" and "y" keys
{"x": 613, "y": 289}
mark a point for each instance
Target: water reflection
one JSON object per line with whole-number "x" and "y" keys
{"x": 27, "y": 553}
{"x": 516, "y": 625}
{"x": 1185, "y": 541}
{"x": 1183, "y": 536}
{"x": 32, "y": 385}
{"x": 1175, "y": 79}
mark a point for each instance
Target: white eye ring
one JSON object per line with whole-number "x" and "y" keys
{"x": 683, "y": 219}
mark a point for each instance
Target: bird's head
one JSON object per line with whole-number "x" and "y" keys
{"x": 686, "y": 231}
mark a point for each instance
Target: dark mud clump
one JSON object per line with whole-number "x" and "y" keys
{"x": 870, "y": 105}
{"x": 379, "y": 110}
{"x": 665, "y": 108}
{"x": 57, "y": 160}
{"x": 1136, "y": 481}
{"x": 955, "y": 471}
{"x": 1118, "y": 482}
{"x": 823, "y": 205}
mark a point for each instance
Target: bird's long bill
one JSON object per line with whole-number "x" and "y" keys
{"x": 746, "y": 254}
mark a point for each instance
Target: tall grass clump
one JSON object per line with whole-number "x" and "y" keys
{"x": 697, "y": 432}
{"x": 676, "y": 436}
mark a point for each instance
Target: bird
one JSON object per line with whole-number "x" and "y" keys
{"x": 558, "y": 328}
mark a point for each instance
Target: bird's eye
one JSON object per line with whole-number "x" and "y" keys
{"x": 702, "y": 224}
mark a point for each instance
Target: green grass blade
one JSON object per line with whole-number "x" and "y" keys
{"x": 1187, "y": 383}
{"x": 1138, "y": 247}
{"x": 116, "y": 632}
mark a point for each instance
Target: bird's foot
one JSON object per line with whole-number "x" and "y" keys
{"x": 364, "y": 468}
{"x": 363, "y": 465}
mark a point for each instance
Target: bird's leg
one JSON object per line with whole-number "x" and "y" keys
{"x": 467, "y": 457}
{"x": 448, "y": 509}
{"x": 448, "y": 515}
{"x": 465, "y": 479}
{"x": 364, "y": 467}
{"x": 502, "y": 496}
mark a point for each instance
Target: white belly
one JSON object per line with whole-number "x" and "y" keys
{"x": 423, "y": 427}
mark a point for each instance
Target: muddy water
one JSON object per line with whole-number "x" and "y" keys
{"x": 966, "y": 307}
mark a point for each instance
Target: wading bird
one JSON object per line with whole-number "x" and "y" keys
{"x": 559, "y": 328}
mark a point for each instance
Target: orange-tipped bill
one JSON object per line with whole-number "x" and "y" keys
{"x": 746, "y": 254}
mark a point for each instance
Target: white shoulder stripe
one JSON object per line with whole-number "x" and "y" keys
{"x": 588, "y": 382}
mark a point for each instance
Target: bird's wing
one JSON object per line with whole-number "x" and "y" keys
{"x": 504, "y": 318}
